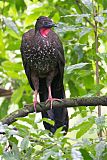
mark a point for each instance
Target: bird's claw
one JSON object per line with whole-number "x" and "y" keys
{"x": 51, "y": 100}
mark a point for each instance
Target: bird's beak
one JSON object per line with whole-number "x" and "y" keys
{"x": 54, "y": 25}
{"x": 50, "y": 25}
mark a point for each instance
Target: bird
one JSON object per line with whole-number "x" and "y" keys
{"x": 43, "y": 60}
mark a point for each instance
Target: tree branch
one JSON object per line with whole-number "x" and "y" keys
{"x": 5, "y": 93}
{"x": 74, "y": 102}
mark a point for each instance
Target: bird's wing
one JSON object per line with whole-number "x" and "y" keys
{"x": 24, "y": 50}
{"x": 61, "y": 58}
{"x": 59, "y": 47}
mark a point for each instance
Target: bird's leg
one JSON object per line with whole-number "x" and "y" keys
{"x": 50, "y": 99}
{"x": 35, "y": 81}
{"x": 49, "y": 81}
{"x": 35, "y": 99}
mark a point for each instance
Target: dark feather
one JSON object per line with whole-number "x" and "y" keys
{"x": 40, "y": 57}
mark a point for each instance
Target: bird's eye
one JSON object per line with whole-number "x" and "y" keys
{"x": 45, "y": 23}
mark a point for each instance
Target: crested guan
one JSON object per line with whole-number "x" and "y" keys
{"x": 43, "y": 60}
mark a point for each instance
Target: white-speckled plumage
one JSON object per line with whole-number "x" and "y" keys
{"x": 41, "y": 54}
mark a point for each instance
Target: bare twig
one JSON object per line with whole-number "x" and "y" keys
{"x": 95, "y": 13}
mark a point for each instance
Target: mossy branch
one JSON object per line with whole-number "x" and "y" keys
{"x": 73, "y": 102}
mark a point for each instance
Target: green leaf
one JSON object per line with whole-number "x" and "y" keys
{"x": 13, "y": 140}
{"x": 13, "y": 74}
{"x": 51, "y": 122}
{"x": 76, "y": 113}
{"x": 15, "y": 151}
{"x": 104, "y": 3}
{"x": 87, "y": 2}
{"x": 100, "y": 147}
{"x": 85, "y": 154}
{"x": 30, "y": 19}
{"x": 85, "y": 126}
{"x": 4, "y": 108}
{"x": 8, "y": 22}
{"x": 83, "y": 111}
{"x": 13, "y": 34}
{"x": 85, "y": 31}
{"x": 29, "y": 121}
{"x": 1, "y": 149}
{"x": 13, "y": 154}
{"x": 76, "y": 154}
{"x": 59, "y": 132}
{"x": 2, "y": 44}
{"x": 69, "y": 69}
{"x": 20, "y": 5}
{"x": 7, "y": 65}
{"x": 17, "y": 95}
{"x": 22, "y": 128}
{"x": 100, "y": 19}
{"x": 24, "y": 143}
{"x": 9, "y": 156}
{"x": 83, "y": 129}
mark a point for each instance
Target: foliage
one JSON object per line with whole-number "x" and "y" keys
{"x": 25, "y": 139}
{"x": 28, "y": 141}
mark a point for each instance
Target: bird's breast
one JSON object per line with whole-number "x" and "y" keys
{"x": 42, "y": 57}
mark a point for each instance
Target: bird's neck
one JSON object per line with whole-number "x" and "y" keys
{"x": 44, "y": 31}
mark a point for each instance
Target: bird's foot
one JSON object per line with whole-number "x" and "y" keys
{"x": 51, "y": 100}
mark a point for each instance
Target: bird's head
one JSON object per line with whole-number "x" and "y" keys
{"x": 44, "y": 24}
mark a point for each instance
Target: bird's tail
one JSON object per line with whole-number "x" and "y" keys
{"x": 58, "y": 115}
